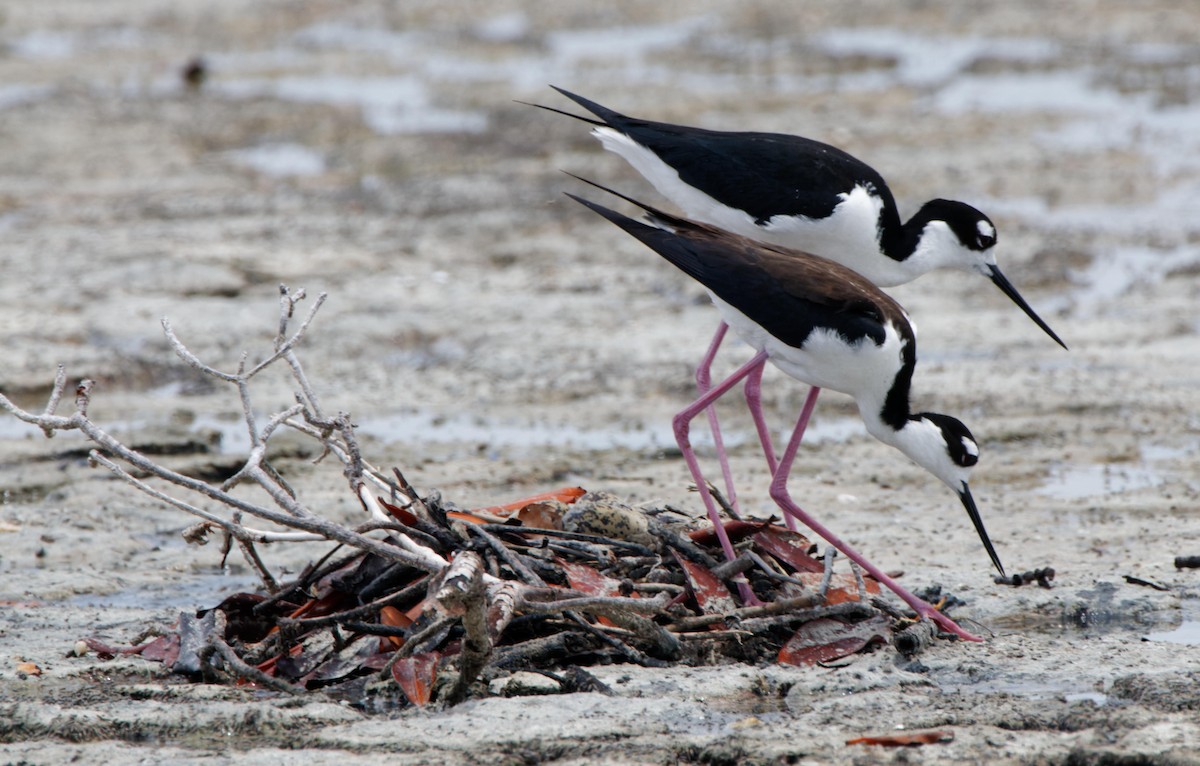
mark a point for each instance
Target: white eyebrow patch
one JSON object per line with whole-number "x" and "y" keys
{"x": 986, "y": 229}
{"x": 971, "y": 447}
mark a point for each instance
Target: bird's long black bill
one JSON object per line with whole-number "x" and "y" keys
{"x": 969, "y": 503}
{"x": 1007, "y": 288}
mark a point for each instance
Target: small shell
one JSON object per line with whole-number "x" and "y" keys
{"x": 602, "y": 513}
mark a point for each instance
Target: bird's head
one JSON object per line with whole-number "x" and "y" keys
{"x": 945, "y": 447}
{"x": 956, "y": 235}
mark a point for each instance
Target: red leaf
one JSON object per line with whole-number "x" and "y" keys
{"x": 470, "y": 518}
{"x": 107, "y": 651}
{"x": 319, "y": 607}
{"x": 737, "y": 529}
{"x": 585, "y": 579}
{"x": 268, "y": 665}
{"x": 566, "y": 495}
{"x": 906, "y": 739}
{"x": 416, "y": 675}
{"x": 541, "y": 515}
{"x": 842, "y": 587}
{"x": 789, "y": 547}
{"x": 413, "y": 613}
{"x": 393, "y": 617}
{"x": 711, "y": 594}
{"x": 826, "y": 639}
{"x": 402, "y": 515}
{"x": 164, "y": 649}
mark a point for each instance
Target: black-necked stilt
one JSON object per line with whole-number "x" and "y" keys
{"x": 801, "y": 194}
{"x": 826, "y": 325}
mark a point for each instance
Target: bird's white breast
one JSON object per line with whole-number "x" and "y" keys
{"x": 862, "y": 369}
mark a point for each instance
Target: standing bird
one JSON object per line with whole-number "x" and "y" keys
{"x": 826, "y": 325}
{"x": 802, "y": 194}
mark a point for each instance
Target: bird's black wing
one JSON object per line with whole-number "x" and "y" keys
{"x": 764, "y": 174}
{"x": 789, "y": 296}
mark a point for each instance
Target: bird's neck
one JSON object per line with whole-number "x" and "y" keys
{"x": 888, "y": 415}
{"x": 925, "y": 445}
{"x": 928, "y": 245}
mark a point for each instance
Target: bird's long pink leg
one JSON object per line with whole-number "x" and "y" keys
{"x": 704, "y": 384}
{"x": 753, "y": 391}
{"x": 682, "y": 424}
{"x": 779, "y": 494}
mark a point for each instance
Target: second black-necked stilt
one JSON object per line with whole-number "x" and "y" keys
{"x": 826, "y": 325}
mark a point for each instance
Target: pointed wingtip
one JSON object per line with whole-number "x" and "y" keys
{"x": 619, "y": 219}
{"x": 653, "y": 214}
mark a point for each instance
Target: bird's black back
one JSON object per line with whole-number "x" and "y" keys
{"x": 764, "y": 174}
{"x": 787, "y": 292}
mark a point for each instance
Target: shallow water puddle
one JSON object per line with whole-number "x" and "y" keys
{"x": 1073, "y": 482}
{"x": 1188, "y": 633}
{"x": 279, "y": 160}
{"x": 390, "y": 105}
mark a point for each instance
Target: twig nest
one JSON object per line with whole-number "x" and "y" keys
{"x": 603, "y": 514}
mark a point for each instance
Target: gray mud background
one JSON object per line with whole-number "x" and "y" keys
{"x": 494, "y": 340}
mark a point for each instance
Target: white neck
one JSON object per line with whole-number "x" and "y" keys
{"x": 938, "y": 248}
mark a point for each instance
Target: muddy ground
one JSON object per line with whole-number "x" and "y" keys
{"x": 493, "y": 340}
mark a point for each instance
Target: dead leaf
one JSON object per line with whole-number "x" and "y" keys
{"x": 791, "y": 548}
{"x": 402, "y": 515}
{"x": 566, "y": 495}
{"x": 268, "y": 665}
{"x": 842, "y": 586}
{"x": 585, "y": 579}
{"x": 711, "y": 594}
{"x": 737, "y": 529}
{"x": 319, "y": 607}
{"x": 393, "y": 617}
{"x": 541, "y": 515}
{"x": 416, "y": 675}
{"x": 29, "y": 668}
{"x": 906, "y": 739}
{"x": 826, "y": 639}
{"x": 164, "y": 649}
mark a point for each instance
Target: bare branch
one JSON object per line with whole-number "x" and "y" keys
{"x": 83, "y": 396}
{"x": 186, "y": 355}
{"x": 238, "y": 667}
{"x": 60, "y": 382}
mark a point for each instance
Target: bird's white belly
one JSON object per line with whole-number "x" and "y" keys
{"x": 864, "y": 370}
{"x": 848, "y": 236}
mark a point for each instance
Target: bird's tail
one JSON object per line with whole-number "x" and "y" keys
{"x": 607, "y": 116}
{"x": 657, "y": 217}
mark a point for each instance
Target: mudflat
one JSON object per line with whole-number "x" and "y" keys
{"x": 493, "y": 340}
